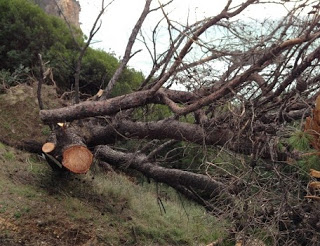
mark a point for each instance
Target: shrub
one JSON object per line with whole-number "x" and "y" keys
{"x": 26, "y": 31}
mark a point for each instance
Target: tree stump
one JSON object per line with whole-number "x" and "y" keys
{"x": 65, "y": 149}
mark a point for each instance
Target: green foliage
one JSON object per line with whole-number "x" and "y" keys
{"x": 129, "y": 80}
{"x": 188, "y": 157}
{"x": 19, "y": 75}
{"x": 300, "y": 140}
{"x": 308, "y": 162}
{"x": 98, "y": 68}
{"x": 9, "y": 156}
{"x": 26, "y": 31}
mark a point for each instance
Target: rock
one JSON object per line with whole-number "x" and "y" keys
{"x": 68, "y": 8}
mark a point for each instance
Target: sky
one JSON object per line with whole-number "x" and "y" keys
{"x": 121, "y": 16}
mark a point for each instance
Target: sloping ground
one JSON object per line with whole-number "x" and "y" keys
{"x": 19, "y": 114}
{"x": 39, "y": 207}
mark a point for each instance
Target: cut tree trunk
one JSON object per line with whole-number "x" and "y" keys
{"x": 77, "y": 159}
{"x": 65, "y": 148}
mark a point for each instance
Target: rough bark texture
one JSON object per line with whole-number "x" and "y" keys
{"x": 176, "y": 178}
{"x": 70, "y": 151}
{"x": 173, "y": 129}
{"x": 100, "y": 108}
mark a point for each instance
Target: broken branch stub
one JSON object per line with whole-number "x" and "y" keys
{"x": 48, "y": 147}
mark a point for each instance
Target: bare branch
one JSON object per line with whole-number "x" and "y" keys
{"x": 127, "y": 54}
{"x": 195, "y": 36}
{"x": 41, "y": 78}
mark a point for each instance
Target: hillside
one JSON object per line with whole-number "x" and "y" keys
{"x": 40, "y": 207}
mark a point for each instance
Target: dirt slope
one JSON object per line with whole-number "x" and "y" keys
{"x": 19, "y": 113}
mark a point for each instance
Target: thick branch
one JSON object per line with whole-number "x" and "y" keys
{"x": 113, "y": 105}
{"x": 93, "y": 108}
{"x": 172, "y": 129}
{"x": 172, "y": 177}
{"x": 163, "y": 129}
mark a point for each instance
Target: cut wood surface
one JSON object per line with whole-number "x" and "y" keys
{"x": 77, "y": 159}
{"x": 48, "y": 147}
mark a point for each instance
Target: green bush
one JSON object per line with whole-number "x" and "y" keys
{"x": 97, "y": 70}
{"x": 129, "y": 80}
{"x": 26, "y": 31}
{"x": 19, "y": 75}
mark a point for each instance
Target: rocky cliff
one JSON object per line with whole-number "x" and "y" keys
{"x": 68, "y": 8}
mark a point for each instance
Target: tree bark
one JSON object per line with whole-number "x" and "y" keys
{"x": 182, "y": 131}
{"x": 97, "y": 108}
{"x": 70, "y": 150}
{"x": 207, "y": 187}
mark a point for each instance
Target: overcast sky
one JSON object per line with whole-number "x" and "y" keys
{"x": 121, "y": 16}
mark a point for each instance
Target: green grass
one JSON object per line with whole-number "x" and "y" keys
{"x": 300, "y": 140}
{"x": 118, "y": 211}
{"x": 3, "y": 207}
{"x": 45, "y": 130}
{"x": 2, "y": 146}
{"x": 9, "y": 156}
{"x": 178, "y": 221}
{"x": 20, "y": 212}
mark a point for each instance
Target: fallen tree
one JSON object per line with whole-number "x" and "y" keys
{"x": 243, "y": 98}
{"x": 194, "y": 186}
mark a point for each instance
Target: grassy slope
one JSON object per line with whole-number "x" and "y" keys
{"x": 39, "y": 207}
{"x": 19, "y": 113}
